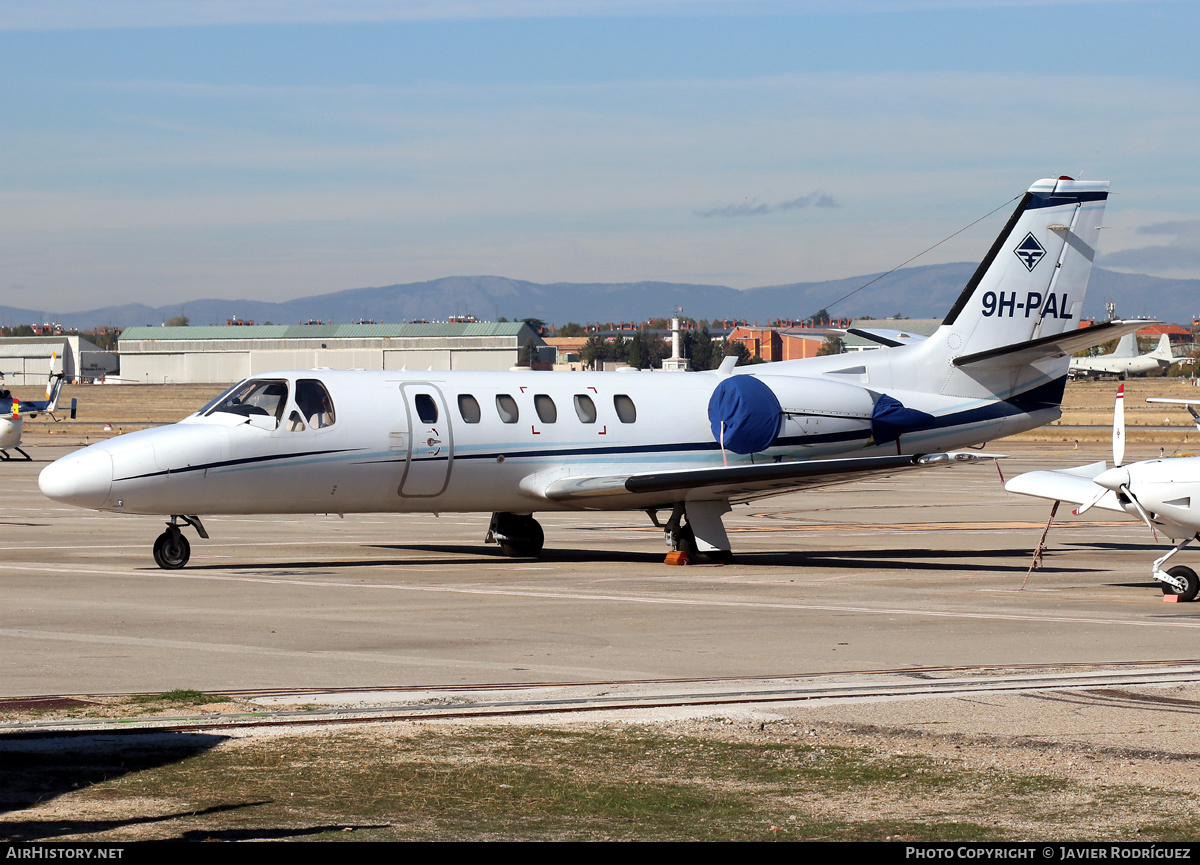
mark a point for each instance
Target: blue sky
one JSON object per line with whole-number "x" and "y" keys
{"x": 163, "y": 151}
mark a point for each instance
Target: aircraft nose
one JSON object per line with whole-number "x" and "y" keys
{"x": 82, "y": 479}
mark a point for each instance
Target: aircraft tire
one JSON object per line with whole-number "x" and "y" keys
{"x": 527, "y": 539}
{"x": 171, "y": 551}
{"x": 1188, "y": 576}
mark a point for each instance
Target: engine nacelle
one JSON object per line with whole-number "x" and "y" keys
{"x": 750, "y": 414}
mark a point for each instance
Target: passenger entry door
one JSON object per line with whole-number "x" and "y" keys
{"x": 430, "y": 445}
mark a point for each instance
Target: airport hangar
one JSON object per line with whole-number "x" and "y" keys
{"x": 177, "y": 355}
{"x": 27, "y": 359}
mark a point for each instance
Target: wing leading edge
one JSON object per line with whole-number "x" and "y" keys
{"x": 1074, "y": 485}
{"x": 746, "y": 482}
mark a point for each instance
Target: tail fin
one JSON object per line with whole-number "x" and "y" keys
{"x": 53, "y": 384}
{"x": 1033, "y": 280}
{"x": 1126, "y": 346}
{"x": 1163, "y": 350}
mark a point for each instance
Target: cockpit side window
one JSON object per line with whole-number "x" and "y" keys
{"x": 255, "y": 397}
{"x": 314, "y": 403}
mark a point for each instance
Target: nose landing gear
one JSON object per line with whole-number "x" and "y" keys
{"x": 171, "y": 549}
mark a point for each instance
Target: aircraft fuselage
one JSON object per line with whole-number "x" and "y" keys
{"x": 471, "y": 441}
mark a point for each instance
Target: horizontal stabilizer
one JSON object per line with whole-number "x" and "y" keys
{"x": 1073, "y": 485}
{"x": 888, "y": 338}
{"x": 750, "y": 481}
{"x": 1055, "y": 345}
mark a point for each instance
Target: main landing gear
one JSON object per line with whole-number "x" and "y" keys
{"x": 702, "y": 539}
{"x": 171, "y": 548}
{"x": 519, "y": 535}
{"x": 1179, "y": 580}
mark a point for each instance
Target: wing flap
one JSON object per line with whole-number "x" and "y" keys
{"x": 747, "y": 481}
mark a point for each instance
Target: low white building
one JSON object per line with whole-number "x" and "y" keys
{"x": 158, "y": 355}
{"x": 26, "y": 359}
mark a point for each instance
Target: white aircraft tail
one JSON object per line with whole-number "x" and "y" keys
{"x": 1032, "y": 283}
{"x": 54, "y": 383}
{"x": 1013, "y": 328}
{"x": 1126, "y": 346}
{"x": 1163, "y": 350}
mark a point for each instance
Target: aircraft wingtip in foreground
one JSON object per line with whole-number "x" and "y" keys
{"x": 1159, "y": 492}
{"x": 688, "y": 445}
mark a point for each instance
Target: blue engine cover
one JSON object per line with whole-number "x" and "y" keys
{"x": 750, "y": 412}
{"x": 891, "y": 419}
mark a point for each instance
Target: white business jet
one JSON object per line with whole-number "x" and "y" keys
{"x": 689, "y": 445}
{"x": 1158, "y": 492}
{"x": 1124, "y": 360}
{"x": 12, "y": 424}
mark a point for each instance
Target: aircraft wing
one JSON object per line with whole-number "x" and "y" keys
{"x": 1056, "y": 345}
{"x": 747, "y": 482}
{"x": 1066, "y": 485}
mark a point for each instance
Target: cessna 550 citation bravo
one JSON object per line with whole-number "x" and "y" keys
{"x": 687, "y": 444}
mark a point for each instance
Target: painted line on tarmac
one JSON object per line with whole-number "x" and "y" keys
{"x": 629, "y": 599}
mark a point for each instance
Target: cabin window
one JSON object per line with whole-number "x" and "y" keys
{"x": 255, "y": 397}
{"x": 312, "y": 399}
{"x": 507, "y": 408}
{"x": 626, "y": 410}
{"x": 468, "y": 407}
{"x": 546, "y": 409}
{"x": 585, "y": 408}
{"x": 426, "y": 408}
{"x": 295, "y": 424}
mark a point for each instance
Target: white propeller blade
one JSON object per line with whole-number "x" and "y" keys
{"x": 1119, "y": 427}
{"x": 1138, "y": 507}
{"x": 1118, "y": 441}
{"x": 1079, "y": 510}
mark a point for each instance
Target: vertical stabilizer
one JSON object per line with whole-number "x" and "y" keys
{"x": 1163, "y": 350}
{"x": 1033, "y": 280}
{"x": 1126, "y": 346}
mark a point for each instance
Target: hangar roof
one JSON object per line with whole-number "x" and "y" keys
{"x": 326, "y": 331}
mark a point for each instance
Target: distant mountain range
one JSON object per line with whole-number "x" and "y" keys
{"x": 915, "y": 292}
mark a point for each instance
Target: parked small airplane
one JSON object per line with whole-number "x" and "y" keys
{"x": 688, "y": 444}
{"x": 1158, "y": 492}
{"x": 1124, "y": 360}
{"x": 12, "y": 425}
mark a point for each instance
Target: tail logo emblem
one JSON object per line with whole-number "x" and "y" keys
{"x": 1030, "y": 251}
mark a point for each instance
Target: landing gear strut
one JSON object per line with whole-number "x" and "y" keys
{"x": 5, "y": 455}
{"x": 681, "y": 536}
{"x": 519, "y": 535}
{"x": 171, "y": 548}
{"x": 1179, "y": 580}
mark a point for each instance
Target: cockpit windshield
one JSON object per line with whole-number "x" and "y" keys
{"x": 204, "y": 409}
{"x": 254, "y": 397}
